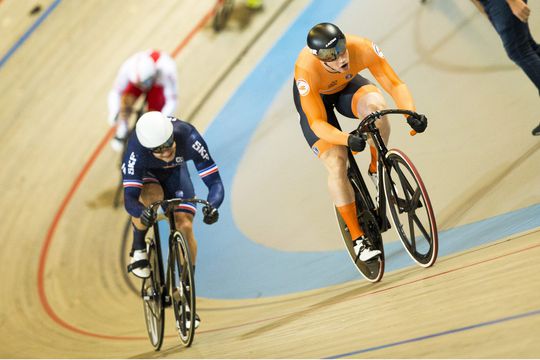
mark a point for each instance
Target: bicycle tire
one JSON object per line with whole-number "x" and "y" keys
{"x": 154, "y": 311}
{"x": 183, "y": 288}
{"x": 421, "y": 245}
{"x": 372, "y": 270}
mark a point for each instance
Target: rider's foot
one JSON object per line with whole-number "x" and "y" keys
{"x": 363, "y": 249}
{"x": 197, "y": 321}
{"x": 139, "y": 265}
{"x": 188, "y": 322}
{"x": 117, "y": 144}
{"x": 536, "y": 130}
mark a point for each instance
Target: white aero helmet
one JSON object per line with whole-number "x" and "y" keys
{"x": 153, "y": 129}
{"x": 143, "y": 71}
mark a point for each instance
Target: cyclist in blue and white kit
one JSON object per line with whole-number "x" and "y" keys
{"x": 154, "y": 168}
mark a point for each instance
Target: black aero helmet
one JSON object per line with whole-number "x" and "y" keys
{"x": 326, "y": 41}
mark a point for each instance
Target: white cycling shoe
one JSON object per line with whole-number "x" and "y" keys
{"x": 139, "y": 265}
{"x": 364, "y": 251}
{"x": 197, "y": 319}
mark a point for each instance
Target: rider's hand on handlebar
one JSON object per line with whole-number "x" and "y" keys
{"x": 211, "y": 215}
{"x": 417, "y": 124}
{"x": 148, "y": 217}
{"x": 356, "y": 143}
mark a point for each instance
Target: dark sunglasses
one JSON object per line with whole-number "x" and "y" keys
{"x": 165, "y": 146}
{"x": 328, "y": 55}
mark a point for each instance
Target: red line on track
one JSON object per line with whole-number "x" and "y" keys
{"x": 66, "y": 201}
{"x": 197, "y": 27}
{"x": 387, "y": 288}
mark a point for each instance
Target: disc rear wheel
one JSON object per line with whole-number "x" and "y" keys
{"x": 373, "y": 269}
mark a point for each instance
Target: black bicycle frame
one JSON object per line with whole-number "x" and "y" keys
{"x": 164, "y": 281}
{"x": 165, "y": 284}
{"x": 358, "y": 180}
{"x": 367, "y": 125}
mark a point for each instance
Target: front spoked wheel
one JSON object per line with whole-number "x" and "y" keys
{"x": 153, "y": 300}
{"x": 410, "y": 209}
{"x": 373, "y": 269}
{"x": 183, "y": 289}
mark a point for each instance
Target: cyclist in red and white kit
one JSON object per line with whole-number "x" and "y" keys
{"x": 151, "y": 73}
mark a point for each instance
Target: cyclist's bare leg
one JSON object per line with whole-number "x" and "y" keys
{"x": 368, "y": 103}
{"x": 335, "y": 160}
{"x": 184, "y": 224}
{"x": 150, "y": 193}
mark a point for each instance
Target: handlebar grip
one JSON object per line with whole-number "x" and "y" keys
{"x": 413, "y": 132}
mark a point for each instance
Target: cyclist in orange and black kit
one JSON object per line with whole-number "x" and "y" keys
{"x": 326, "y": 77}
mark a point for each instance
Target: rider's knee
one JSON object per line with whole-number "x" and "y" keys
{"x": 377, "y": 104}
{"x": 184, "y": 222}
{"x": 370, "y": 102}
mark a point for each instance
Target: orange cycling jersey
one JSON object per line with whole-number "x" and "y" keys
{"x": 313, "y": 80}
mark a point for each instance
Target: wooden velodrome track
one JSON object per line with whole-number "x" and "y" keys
{"x": 64, "y": 293}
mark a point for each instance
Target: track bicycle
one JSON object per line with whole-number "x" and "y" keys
{"x": 222, "y": 13}
{"x": 138, "y": 113}
{"x": 171, "y": 285}
{"x": 401, "y": 188}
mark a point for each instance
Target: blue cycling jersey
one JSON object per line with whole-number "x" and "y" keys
{"x": 141, "y": 166}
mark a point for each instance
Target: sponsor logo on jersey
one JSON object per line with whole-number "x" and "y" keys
{"x": 377, "y": 50}
{"x": 131, "y": 165}
{"x": 179, "y": 159}
{"x": 332, "y": 84}
{"x": 198, "y": 147}
{"x": 303, "y": 87}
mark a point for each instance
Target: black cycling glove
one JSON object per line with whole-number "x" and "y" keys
{"x": 211, "y": 215}
{"x": 148, "y": 217}
{"x": 417, "y": 124}
{"x": 356, "y": 143}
